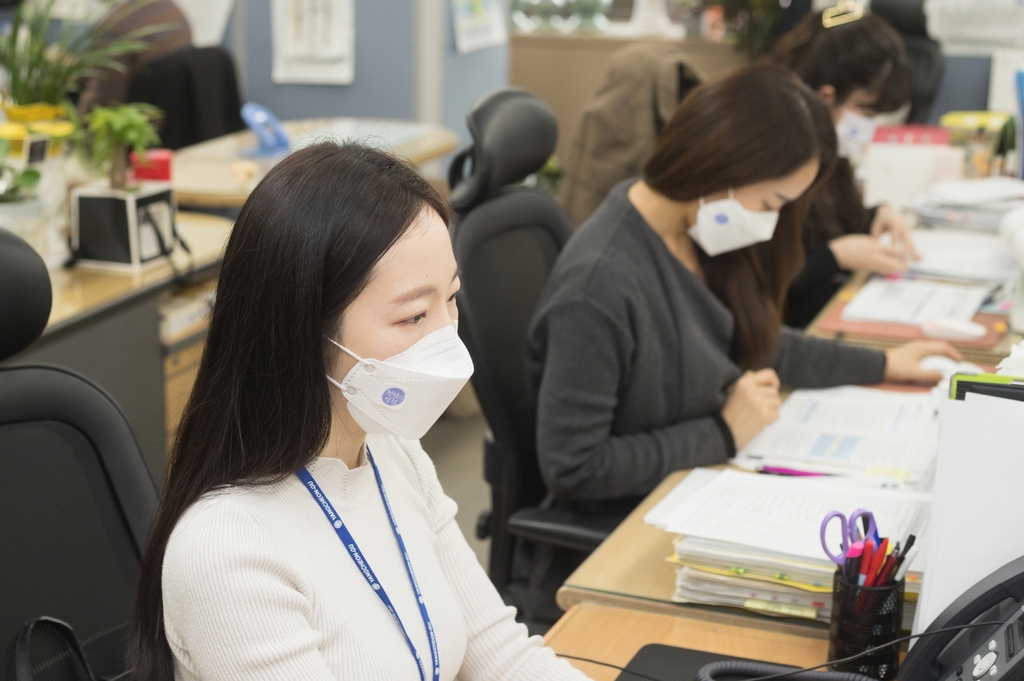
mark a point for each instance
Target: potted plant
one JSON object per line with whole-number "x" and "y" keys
{"x": 20, "y": 211}
{"x": 112, "y": 131}
{"x": 114, "y": 224}
{"x": 43, "y": 70}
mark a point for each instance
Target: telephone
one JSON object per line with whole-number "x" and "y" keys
{"x": 269, "y": 132}
{"x": 994, "y": 653}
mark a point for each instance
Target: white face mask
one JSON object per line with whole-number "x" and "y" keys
{"x": 404, "y": 395}
{"x": 854, "y": 132}
{"x": 727, "y": 225}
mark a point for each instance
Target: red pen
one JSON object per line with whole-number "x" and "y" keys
{"x": 877, "y": 561}
{"x": 865, "y": 561}
{"x": 887, "y": 569}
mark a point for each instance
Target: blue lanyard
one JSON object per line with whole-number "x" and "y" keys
{"x": 367, "y": 571}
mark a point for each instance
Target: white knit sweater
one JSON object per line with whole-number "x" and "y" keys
{"x": 257, "y": 584}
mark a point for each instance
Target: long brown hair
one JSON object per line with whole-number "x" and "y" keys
{"x": 758, "y": 123}
{"x": 304, "y": 245}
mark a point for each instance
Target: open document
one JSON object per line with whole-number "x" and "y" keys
{"x": 912, "y": 301}
{"x": 963, "y": 256}
{"x": 850, "y": 431}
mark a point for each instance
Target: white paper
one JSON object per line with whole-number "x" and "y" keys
{"x": 783, "y": 515}
{"x": 208, "y": 20}
{"x": 1002, "y": 88}
{"x": 478, "y": 24}
{"x": 963, "y": 255}
{"x": 909, "y": 301}
{"x": 313, "y": 41}
{"x": 694, "y": 481}
{"x": 977, "y": 192}
{"x": 898, "y": 174}
{"x": 849, "y": 430}
{"x": 978, "y": 482}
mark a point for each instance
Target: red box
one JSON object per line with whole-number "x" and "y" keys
{"x": 157, "y": 165}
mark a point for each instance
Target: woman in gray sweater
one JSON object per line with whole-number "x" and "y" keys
{"x": 657, "y": 344}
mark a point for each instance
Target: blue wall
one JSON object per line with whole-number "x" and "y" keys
{"x": 467, "y": 76}
{"x": 385, "y": 70}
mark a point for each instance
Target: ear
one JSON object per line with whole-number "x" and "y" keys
{"x": 827, "y": 94}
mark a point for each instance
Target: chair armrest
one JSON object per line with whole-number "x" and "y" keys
{"x": 563, "y": 527}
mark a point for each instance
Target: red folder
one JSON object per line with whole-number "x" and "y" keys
{"x": 995, "y": 325}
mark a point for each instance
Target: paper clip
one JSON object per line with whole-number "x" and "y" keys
{"x": 844, "y": 12}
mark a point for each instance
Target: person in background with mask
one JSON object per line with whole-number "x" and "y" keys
{"x": 657, "y": 344}
{"x": 859, "y": 70}
{"x": 277, "y": 554}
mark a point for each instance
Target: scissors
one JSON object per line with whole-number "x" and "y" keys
{"x": 848, "y": 531}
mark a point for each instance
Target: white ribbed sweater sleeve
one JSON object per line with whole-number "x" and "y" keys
{"x": 246, "y": 618}
{"x": 498, "y": 648}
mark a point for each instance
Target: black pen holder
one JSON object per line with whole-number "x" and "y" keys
{"x": 865, "y": 617}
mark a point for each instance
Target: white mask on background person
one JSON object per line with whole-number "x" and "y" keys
{"x": 404, "y": 395}
{"x": 854, "y": 132}
{"x": 727, "y": 225}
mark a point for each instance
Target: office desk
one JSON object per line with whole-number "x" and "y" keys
{"x": 106, "y": 326}
{"x": 614, "y": 635}
{"x": 629, "y": 568}
{"x": 986, "y": 357}
{"x": 218, "y": 174}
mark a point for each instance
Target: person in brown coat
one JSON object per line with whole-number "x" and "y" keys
{"x": 620, "y": 124}
{"x": 171, "y": 33}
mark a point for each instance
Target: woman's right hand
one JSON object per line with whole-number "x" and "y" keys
{"x": 752, "y": 404}
{"x": 865, "y": 252}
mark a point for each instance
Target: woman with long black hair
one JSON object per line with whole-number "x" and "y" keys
{"x": 303, "y": 533}
{"x": 859, "y": 70}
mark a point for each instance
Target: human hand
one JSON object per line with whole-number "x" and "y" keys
{"x": 865, "y": 252}
{"x": 903, "y": 363}
{"x": 890, "y": 221}
{"x": 752, "y": 404}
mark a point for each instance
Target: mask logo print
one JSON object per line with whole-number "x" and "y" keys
{"x": 721, "y": 218}
{"x": 393, "y": 397}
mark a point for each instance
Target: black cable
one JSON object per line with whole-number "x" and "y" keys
{"x": 608, "y": 664}
{"x": 795, "y": 671}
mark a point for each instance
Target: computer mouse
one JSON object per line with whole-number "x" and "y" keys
{"x": 952, "y": 329}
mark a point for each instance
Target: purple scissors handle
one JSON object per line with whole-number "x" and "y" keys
{"x": 872, "y": 530}
{"x": 844, "y": 531}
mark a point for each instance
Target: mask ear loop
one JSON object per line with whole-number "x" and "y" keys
{"x": 345, "y": 350}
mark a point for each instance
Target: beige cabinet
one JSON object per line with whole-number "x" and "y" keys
{"x": 566, "y": 70}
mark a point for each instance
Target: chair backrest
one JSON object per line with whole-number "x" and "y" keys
{"x": 197, "y": 89}
{"x": 25, "y": 295}
{"x": 514, "y": 134}
{"x": 506, "y": 246}
{"x": 76, "y": 499}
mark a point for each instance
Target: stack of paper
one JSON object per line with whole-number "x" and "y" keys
{"x": 850, "y": 431}
{"x": 909, "y": 301}
{"x": 754, "y": 540}
{"x": 973, "y": 204}
{"x": 964, "y": 256}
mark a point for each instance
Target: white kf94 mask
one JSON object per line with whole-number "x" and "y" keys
{"x": 727, "y": 225}
{"x": 404, "y": 395}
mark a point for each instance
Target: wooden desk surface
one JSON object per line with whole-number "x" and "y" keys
{"x": 81, "y": 291}
{"x": 614, "y": 635}
{"x": 845, "y": 294}
{"x": 629, "y": 569}
{"x": 217, "y": 173}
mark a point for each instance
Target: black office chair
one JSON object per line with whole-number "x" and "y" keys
{"x": 506, "y": 244}
{"x": 76, "y": 499}
{"x": 197, "y": 89}
{"x": 924, "y": 54}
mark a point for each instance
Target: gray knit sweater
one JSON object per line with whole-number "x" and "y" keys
{"x": 628, "y": 356}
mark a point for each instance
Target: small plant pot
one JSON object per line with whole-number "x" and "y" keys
{"x": 122, "y": 229}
